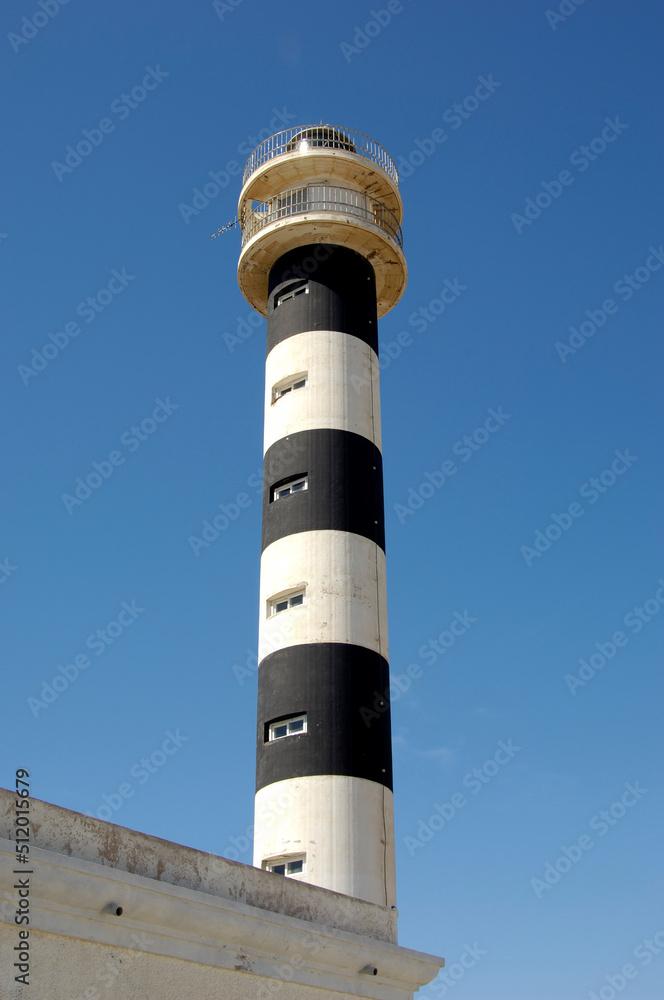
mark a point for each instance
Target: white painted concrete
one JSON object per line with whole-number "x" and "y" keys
{"x": 344, "y": 825}
{"x": 62, "y": 832}
{"x": 197, "y": 926}
{"x": 345, "y": 598}
{"x": 342, "y": 391}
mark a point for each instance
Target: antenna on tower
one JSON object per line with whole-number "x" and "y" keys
{"x": 229, "y": 225}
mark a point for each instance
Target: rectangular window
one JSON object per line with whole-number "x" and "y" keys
{"x": 286, "y": 866}
{"x": 287, "y": 727}
{"x": 292, "y": 383}
{"x": 282, "y": 603}
{"x": 300, "y": 289}
{"x": 290, "y": 486}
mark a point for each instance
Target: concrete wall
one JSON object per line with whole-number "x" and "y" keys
{"x": 192, "y": 925}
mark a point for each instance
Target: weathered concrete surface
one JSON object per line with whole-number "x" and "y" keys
{"x": 65, "y": 832}
{"x": 192, "y": 925}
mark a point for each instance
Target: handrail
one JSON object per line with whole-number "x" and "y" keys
{"x": 320, "y": 136}
{"x": 321, "y": 198}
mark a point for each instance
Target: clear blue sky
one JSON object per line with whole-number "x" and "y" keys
{"x": 163, "y": 326}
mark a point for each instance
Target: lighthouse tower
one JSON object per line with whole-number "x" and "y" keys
{"x": 322, "y": 258}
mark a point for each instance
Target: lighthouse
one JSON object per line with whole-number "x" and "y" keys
{"x": 322, "y": 259}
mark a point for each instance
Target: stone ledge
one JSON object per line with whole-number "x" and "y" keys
{"x": 196, "y": 908}
{"x": 72, "y": 834}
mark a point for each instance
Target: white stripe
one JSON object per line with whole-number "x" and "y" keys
{"x": 342, "y": 390}
{"x": 344, "y": 826}
{"x": 343, "y": 575}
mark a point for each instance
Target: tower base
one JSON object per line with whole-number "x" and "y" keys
{"x": 339, "y": 822}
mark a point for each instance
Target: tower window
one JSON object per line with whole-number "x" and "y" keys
{"x": 287, "y": 727}
{"x": 290, "y": 486}
{"x": 302, "y": 288}
{"x": 286, "y": 866}
{"x": 290, "y": 385}
{"x": 285, "y": 601}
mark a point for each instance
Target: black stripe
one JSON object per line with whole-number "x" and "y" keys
{"x": 345, "y": 491}
{"x": 342, "y": 294}
{"x": 344, "y": 690}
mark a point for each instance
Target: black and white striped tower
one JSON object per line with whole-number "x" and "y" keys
{"x": 321, "y": 257}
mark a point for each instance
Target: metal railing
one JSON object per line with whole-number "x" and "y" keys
{"x": 321, "y": 198}
{"x": 320, "y": 137}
